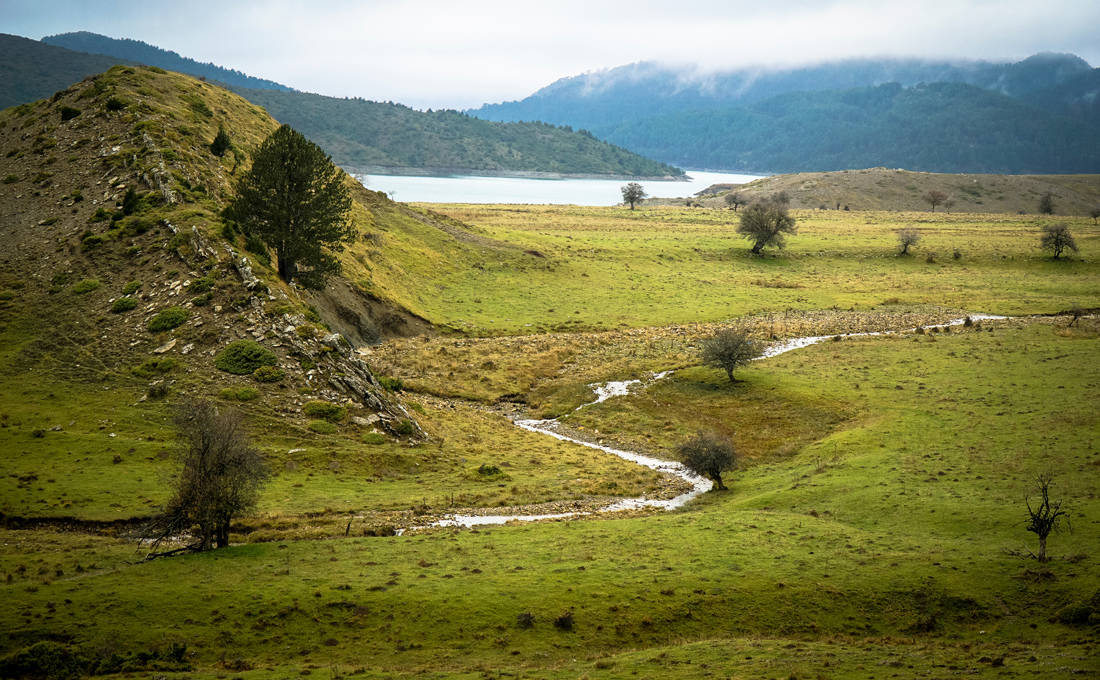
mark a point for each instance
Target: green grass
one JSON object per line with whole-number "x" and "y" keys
{"x": 856, "y": 543}
{"x": 609, "y": 267}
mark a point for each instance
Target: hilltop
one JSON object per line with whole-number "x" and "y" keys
{"x": 363, "y": 135}
{"x": 1032, "y": 116}
{"x": 888, "y": 189}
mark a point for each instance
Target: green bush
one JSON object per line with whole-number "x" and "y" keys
{"x": 167, "y": 319}
{"x": 404, "y": 427}
{"x": 11, "y": 179}
{"x": 239, "y": 394}
{"x": 323, "y": 409}
{"x": 153, "y": 367}
{"x": 100, "y": 215}
{"x": 116, "y": 104}
{"x": 374, "y": 439}
{"x": 123, "y": 304}
{"x": 243, "y": 357}
{"x": 322, "y": 427}
{"x": 201, "y": 285}
{"x": 268, "y": 374}
{"x": 47, "y": 659}
{"x": 91, "y": 241}
{"x": 391, "y": 384}
{"x": 86, "y": 286}
{"x": 131, "y": 287}
{"x": 68, "y": 113}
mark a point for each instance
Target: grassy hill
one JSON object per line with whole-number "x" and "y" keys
{"x": 364, "y": 135}
{"x": 874, "y": 526}
{"x": 30, "y": 70}
{"x": 889, "y": 189}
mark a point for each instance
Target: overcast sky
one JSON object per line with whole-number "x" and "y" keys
{"x": 462, "y": 53}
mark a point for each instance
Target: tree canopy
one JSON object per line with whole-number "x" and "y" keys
{"x": 633, "y": 193}
{"x": 708, "y": 455}
{"x": 728, "y": 349}
{"x": 765, "y": 222}
{"x": 294, "y": 199}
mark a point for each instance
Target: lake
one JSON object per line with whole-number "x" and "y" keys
{"x": 471, "y": 189}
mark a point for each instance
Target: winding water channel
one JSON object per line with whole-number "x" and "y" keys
{"x": 605, "y": 391}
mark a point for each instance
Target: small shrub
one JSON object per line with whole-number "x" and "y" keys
{"x": 956, "y": 254}
{"x": 391, "y": 384}
{"x": 68, "y": 113}
{"x": 86, "y": 286}
{"x": 525, "y": 620}
{"x": 101, "y": 214}
{"x": 968, "y": 322}
{"x": 11, "y": 179}
{"x": 91, "y": 241}
{"x": 153, "y": 367}
{"x": 374, "y": 439}
{"x": 930, "y": 258}
{"x": 322, "y": 427}
{"x": 564, "y": 621}
{"x": 131, "y": 287}
{"x": 167, "y": 319}
{"x": 268, "y": 374}
{"x": 404, "y": 427}
{"x": 115, "y": 104}
{"x": 243, "y": 357}
{"x": 158, "y": 391}
{"x": 202, "y": 285}
{"x": 221, "y": 143}
{"x": 123, "y": 304}
{"x": 239, "y": 394}
{"x": 488, "y": 470}
{"x": 323, "y": 409}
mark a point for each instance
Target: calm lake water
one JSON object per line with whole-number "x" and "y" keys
{"x": 469, "y": 189}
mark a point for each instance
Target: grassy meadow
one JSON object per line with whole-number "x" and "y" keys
{"x": 874, "y": 529}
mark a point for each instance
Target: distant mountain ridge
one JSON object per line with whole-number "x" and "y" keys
{"x": 759, "y": 120}
{"x": 140, "y": 52}
{"x": 359, "y": 134}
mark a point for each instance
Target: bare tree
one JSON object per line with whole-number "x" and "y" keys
{"x": 633, "y": 193}
{"x": 764, "y": 223}
{"x": 934, "y": 197}
{"x": 1045, "y": 517}
{"x": 1056, "y": 238}
{"x": 708, "y": 455}
{"x": 1046, "y": 203}
{"x": 728, "y": 349}
{"x": 734, "y": 200}
{"x": 220, "y": 475}
{"x": 907, "y": 238}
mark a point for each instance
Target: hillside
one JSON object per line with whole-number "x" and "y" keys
{"x": 887, "y": 189}
{"x": 30, "y": 70}
{"x": 1031, "y": 116}
{"x": 364, "y": 135}
{"x": 138, "y": 52}
{"x": 384, "y": 137}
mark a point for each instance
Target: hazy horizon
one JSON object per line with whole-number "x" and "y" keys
{"x": 434, "y": 54}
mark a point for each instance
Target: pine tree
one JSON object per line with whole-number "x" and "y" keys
{"x": 294, "y": 200}
{"x": 221, "y": 143}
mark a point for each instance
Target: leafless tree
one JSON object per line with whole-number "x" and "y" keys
{"x": 729, "y": 348}
{"x": 219, "y": 476}
{"x": 907, "y": 238}
{"x": 934, "y": 197}
{"x": 708, "y": 455}
{"x": 1056, "y": 238}
{"x": 1045, "y": 517}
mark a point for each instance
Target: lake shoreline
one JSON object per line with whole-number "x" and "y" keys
{"x": 513, "y": 174}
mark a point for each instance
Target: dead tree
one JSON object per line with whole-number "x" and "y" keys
{"x": 1045, "y": 517}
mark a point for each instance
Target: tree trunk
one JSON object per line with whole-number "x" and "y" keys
{"x": 729, "y": 372}
{"x": 632, "y": 205}
{"x": 285, "y": 267}
{"x": 718, "y": 485}
{"x": 756, "y": 247}
{"x": 1042, "y": 549}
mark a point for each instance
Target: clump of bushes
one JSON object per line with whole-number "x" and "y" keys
{"x": 324, "y": 409}
{"x": 391, "y": 384}
{"x": 239, "y": 394}
{"x": 564, "y": 621}
{"x": 123, "y": 304}
{"x": 322, "y": 427}
{"x": 525, "y": 620}
{"x": 153, "y": 367}
{"x": 268, "y": 374}
{"x": 68, "y": 113}
{"x": 404, "y": 427}
{"x": 115, "y": 104}
{"x": 374, "y": 439}
{"x": 86, "y": 286}
{"x": 201, "y": 285}
{"x": 167, "y": 319}
{"x": 243, "y": 357}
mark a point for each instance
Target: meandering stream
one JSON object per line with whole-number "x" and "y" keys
{"x": 605, "y": 391}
